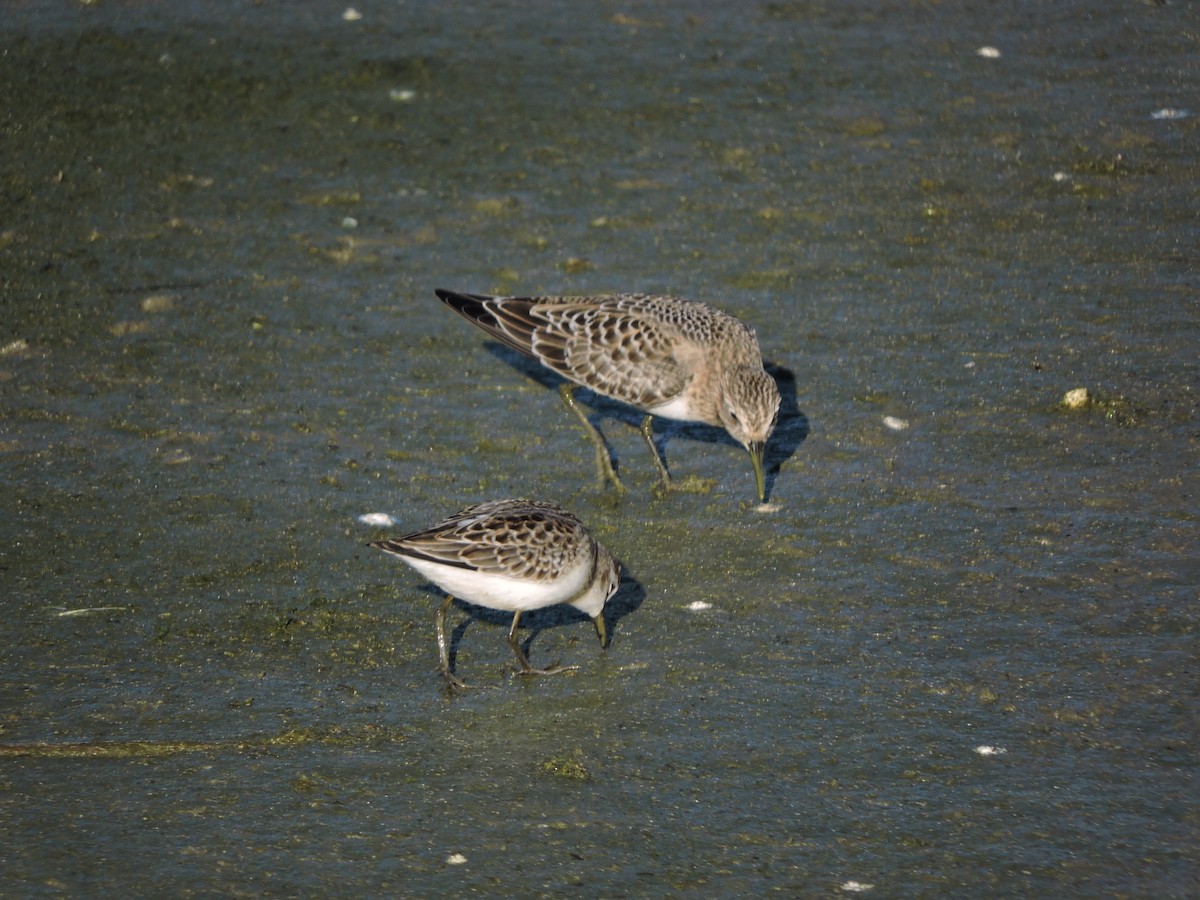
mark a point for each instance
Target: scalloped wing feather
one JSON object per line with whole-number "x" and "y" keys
{"x": 515, "y": 540}
{"x": 612, "y": 349}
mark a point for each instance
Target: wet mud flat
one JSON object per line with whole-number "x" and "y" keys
{"x": 954, "y": 653}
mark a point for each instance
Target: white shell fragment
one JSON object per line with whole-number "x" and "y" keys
{"x": 894, "y": 423}
{"x": 377, "y": 520}
{"x": 455, "y": 859}
{"x": 351, "y": 14}
{"x": 87, "y": 611}
{"x": 1076, "y": 398}
{"x": 159, "y": 303}
{"x": 698, "y": 606}
{"x": 988, "y": 52}
{"x": 989, "y": 750}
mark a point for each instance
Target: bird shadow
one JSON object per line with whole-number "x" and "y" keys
{"x": 549, "y": 379}
{"x": 791, "y": 430}
{"x": 629, "y": 596}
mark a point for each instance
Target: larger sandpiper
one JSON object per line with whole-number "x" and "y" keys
{"x": 666, "y": 356}
{"x": 513, "y": 555}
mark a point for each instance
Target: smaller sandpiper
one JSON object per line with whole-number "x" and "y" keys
{"x": 512, "y": 555}
{"x": 665, "y": 356}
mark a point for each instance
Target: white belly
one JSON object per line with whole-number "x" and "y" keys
{"x": 678, "y": 409}
{"x": 499, "y": 591}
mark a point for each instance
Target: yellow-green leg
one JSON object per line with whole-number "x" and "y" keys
{"x": 648, "y": 434}
{"x": 526, "y": 668}
{"x": 604, "y": 466}
{"x": 452, "y": 682}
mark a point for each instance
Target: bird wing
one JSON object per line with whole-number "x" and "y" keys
{"x": 616, "y": 345}
{"x": 611, "y": 346}
{"x": 524, "y": 542}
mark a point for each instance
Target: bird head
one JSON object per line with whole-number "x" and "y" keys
{"x": 748, "y": 410}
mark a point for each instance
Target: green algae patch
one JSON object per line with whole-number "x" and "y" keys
{"x": 766, "y": 279}
{"x": 1117, "y": 410}
{"x": 341, "y": 737}
{"x": 694, "y": 484}
{"x": 567, "y": 767}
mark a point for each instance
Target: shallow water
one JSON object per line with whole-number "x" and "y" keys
{"x": 956, "y": 654}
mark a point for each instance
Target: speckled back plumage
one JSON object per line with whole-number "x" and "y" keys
{"x": 526, "y": 539}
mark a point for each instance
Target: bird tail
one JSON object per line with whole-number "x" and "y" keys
{"x": 507, "y": 319}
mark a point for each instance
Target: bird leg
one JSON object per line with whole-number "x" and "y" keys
{"x": 452, "y": 682}
{"x": 604, "y": 466}
{"x": 526, "y": 668}
{"x": 648, "y": 434}
{"x": 601, "y": 629}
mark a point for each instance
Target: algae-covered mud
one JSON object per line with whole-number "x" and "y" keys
{"x": 953, "y": 654}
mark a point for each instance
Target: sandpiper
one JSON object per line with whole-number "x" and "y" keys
{"x": 512, "y": 555}
{"x": 666, "y": 356}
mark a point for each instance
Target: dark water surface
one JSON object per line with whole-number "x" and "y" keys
{"x": 955, "y": 655}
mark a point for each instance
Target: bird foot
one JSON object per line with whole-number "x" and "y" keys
{"x": 553, "y": 669}
{"x": 606, "y": 473}
{"x": 453, "y": 682}
{"x": 664, "y": 487}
